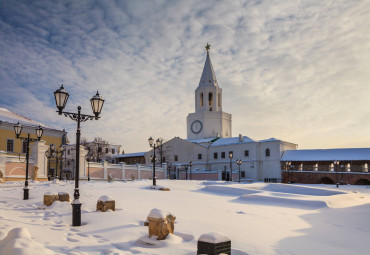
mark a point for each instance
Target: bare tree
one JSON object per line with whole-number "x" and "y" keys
{"x": 98, "y": 149}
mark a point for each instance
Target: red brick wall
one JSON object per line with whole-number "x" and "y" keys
{"x": 317, "y": 177}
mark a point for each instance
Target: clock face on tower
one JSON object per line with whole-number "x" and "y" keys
{"x": 196, "y": 126}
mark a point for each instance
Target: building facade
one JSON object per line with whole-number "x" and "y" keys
{"x": 210, "y": 151}
{"x": 13, "y": 150}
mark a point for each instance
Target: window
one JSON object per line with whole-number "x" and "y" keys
{"x": 199, "y": 156}
{"x": 113, "y": 151}
{"x": 223, "y": 154}
{"x": 246, "y": 153}
{"x": 210, "y": 99}
{"x": 215, "y": 155}
{"x": 242, "y": 174}
{"x": 176, "y": 158}
{"x": 69, "y": 152}
{"x": 99, "y": 149}
{"x": 10, "y": 145}
{"x": 201, "y": 99}
{"x": 24, "y": 147}
{"x": 106, "y": 150}
{"x": 267, "y": 152}
{"x": 219, "y": 99}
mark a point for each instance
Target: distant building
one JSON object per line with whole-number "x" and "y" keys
{"x": 11, "y": 147}
{"x": 130, "y": 158}
{"x": 209, "y": 142}
{"x": 328, "y": 166}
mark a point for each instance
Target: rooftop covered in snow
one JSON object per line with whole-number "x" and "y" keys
{"x": 129, "y": 155}
{"x": 14, "y": 118}
{"x": 327, "y": 154}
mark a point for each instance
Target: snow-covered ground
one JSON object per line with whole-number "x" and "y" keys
{"x": 259, "y": 218}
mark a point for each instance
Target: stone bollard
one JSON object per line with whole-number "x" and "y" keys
{"x": 110, "y": 177}
{"x": 49, "y": 198}
{"x": 160, "y": 223}
{"x": 214, "y": 243}
{"x": 35, "y": 173}
{"x": 105, "y": 203}
{"x": 63, "y": 196}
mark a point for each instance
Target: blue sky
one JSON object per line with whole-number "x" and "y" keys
{"x": 294, "y": 70}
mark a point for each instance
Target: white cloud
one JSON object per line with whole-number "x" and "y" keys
{"x": 293, "y": 70}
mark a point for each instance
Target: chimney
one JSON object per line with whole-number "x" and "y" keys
{"x": 240, "y": 138}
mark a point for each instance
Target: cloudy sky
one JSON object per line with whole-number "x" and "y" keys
{"x": 294, "y": 70}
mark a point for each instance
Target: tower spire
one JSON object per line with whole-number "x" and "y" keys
{"x": 208, "y": 77}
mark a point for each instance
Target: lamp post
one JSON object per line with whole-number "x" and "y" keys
{"x": 190, "y": 165}
{"x": 231, "y": 165}
{"x": 336, "y": 164}
{"x": 186, "y": 171}
{"x": 28, "y": 140}
{"x": 239, "y": 162}
{"x": 155, "y": 145}
{"x": 287, "y": 165}
{"x": 61, "y": 97}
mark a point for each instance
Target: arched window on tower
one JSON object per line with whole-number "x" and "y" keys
{"x": 201, "y": 99}
{"x": 219, "y": 99}
{"x": 210, "y": 99}
{"x": 267, "y": 152}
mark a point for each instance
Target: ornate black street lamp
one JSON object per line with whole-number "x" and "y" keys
{"x": 154, "y": 146}
{"x": 28, "y": 140}
{"x": 336, "y": 164}
{"x": 231, "y": 165}
{"x": 239, "y": 162}
{"x": 61, "y": 97}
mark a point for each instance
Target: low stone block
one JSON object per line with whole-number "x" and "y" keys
{"x": 63, "y": 196}
{"x": 49, "y": 198}
{"x": 214, "y": 243}
{"x": 110, "y": 177}
{"x": 160, "y": 224}
{"x": 105, "y": 203}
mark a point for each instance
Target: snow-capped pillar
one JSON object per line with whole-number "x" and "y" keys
{"x": 38, "y": 150}
{"x": 83, "y": 152}
{"x": 219, "y": 177}
{"x": 365, "y": 168}
{"x": 105, "y": 167}
{"x": 316, "y": 167}
{"x": 138, "y": 171}
{"x": 300, "y": 167}
{"x": 331, "y": 167}
{"x": 348, "y": 167}
{"x": 123, "y": 169}
{"x": 2, "y": 162}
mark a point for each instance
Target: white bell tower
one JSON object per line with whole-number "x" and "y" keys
{"x": 208, "y": 120}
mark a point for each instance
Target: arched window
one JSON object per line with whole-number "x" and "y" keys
{"x": 219, "y": 99}
{"x": 201, "y": 99}
{"x": 267, "y": 152}
{"x": 210, "y": 99}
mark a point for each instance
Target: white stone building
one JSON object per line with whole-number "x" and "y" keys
{"x": 209, "y": 141}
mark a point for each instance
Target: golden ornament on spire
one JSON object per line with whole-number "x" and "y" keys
{"x": 208, "y": 46}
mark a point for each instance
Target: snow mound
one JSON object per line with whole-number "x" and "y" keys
{"x": 105, "y": 198}
{"x": 283, "y": 202}
{"x": 229, "y": 191}
{"x": 213, "y": 237}
{"x": 294, "y": 189}
{"x": 157, "y": 214}
{"x": 19, "y": 242}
